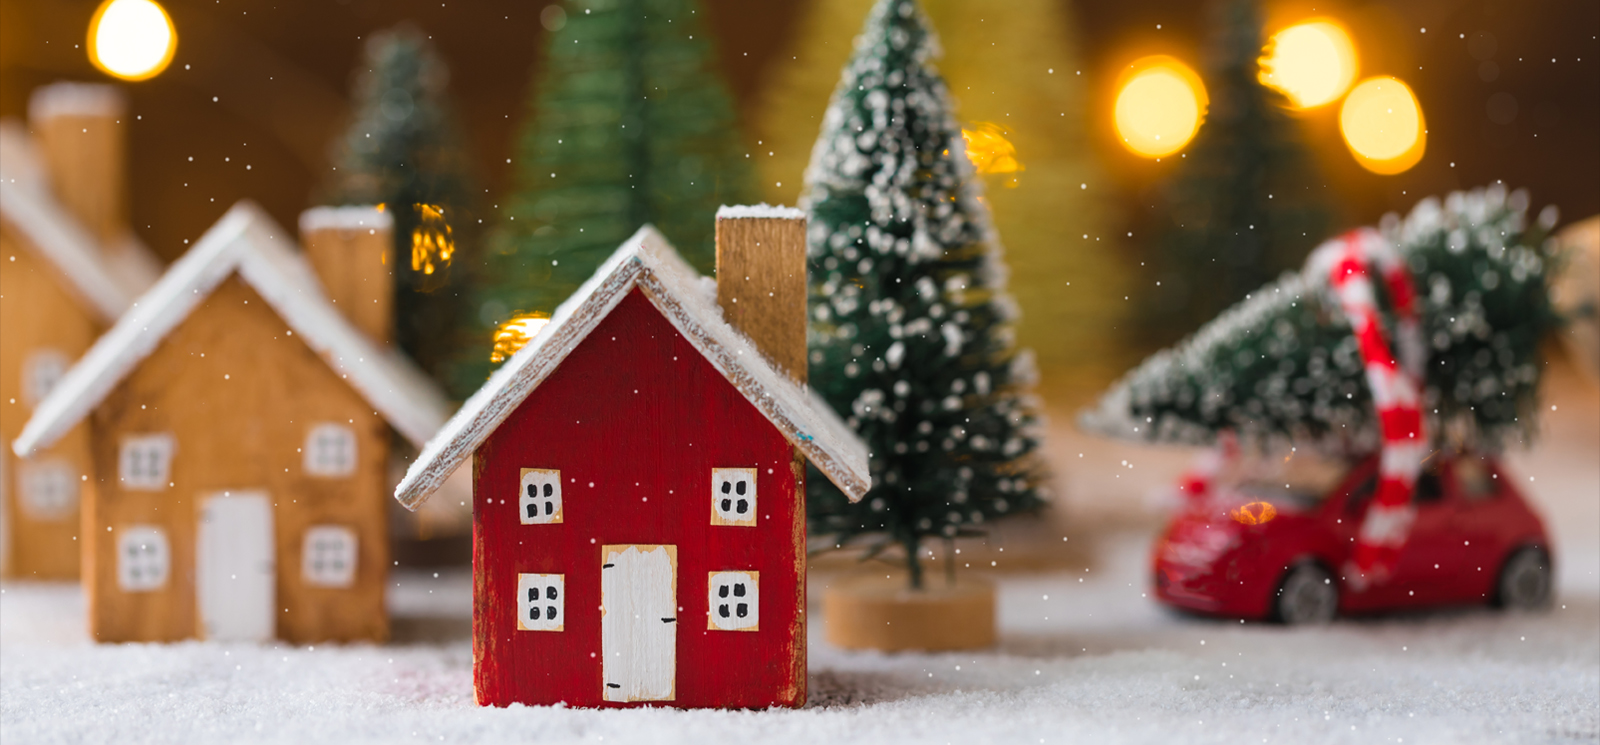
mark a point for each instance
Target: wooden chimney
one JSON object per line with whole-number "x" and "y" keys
{"x": 349, "y": 247}
{"x": 761, "y": 280}
{"x": 81, "y": 132}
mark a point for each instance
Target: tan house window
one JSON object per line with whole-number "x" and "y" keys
{"x": 49, "y": 489}
{"x": 145, "y": 461}
{"x": 41, "y": 371}
{"x": 328, "y": 558}
{"x": 143, "y": 558}
{"x": 330, "y": 451}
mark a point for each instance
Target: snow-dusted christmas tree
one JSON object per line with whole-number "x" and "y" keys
{"x": 1282, "y": 367}
{"x": 911, "y": 324}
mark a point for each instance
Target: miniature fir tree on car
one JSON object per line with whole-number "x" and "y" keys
{"x": 1412, "y": 355}
{"x": 911, "y": 326}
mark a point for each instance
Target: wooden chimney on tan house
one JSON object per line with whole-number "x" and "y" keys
{"x": 349, "y": 249}
{"x": 69, "y": 267}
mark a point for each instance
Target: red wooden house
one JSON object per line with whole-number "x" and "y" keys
{"x": 639, "y": 508}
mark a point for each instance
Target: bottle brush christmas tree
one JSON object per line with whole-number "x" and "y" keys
{"x": 403, "y": 150}
{"x": 629, "y": 124}
{"x": 1282, "y": 368}
{"x": 911, "y": 335}
{"x": 1244, "y": 203}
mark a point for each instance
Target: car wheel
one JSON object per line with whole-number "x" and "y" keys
{"x": 1524, "y": 580}
{"x": 1307, "y": 595}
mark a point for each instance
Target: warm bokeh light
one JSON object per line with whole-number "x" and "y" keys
{"x": 1382, "y": 123}
{"x": 1313, "y": 62}
{"x": 131, "y": 39}
{"x": 432, "y": 242}
{"x": 1160, "y": 105}
{"x": 514, "y": 334}
{"x": 989, "y": 150}
{"x": 1254, "y": 513}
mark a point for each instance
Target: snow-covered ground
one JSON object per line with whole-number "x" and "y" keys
{"x": 1084, "y": 657}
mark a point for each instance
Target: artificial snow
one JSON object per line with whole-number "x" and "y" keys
{"x": 763, "y": 210}
{"x": 1078, "y": 662}
{"x": 648, "y": 262}
{"x": 1083, "y": 657}
{"x": 245, "y": 241}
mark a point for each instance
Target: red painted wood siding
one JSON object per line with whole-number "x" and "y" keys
{"x": 635, "y": 419}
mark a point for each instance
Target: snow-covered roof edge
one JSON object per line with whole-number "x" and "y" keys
{"x": 345, "y": 218}
{"x": 68, "y": 247}
{"x": 648, "y": 262}
{"x": 245, "y": 241}
{"x": 777, "y": 211}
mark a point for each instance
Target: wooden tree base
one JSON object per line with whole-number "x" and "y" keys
{"x": 881, "y": 613}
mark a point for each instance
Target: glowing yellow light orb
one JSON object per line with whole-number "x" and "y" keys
{"x": 1382, "y": 124}
{"x": 1160, "y": 105}
{"x": 1311, "y": 62}
{"x": 131, "y": 39}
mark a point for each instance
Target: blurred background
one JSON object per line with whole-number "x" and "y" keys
{"x": 258, "y": 93}
{"x": 1129, "y": 150}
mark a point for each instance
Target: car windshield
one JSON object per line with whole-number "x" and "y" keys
{"x": 1298, "y": 479}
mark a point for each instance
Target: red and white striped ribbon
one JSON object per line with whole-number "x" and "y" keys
{"x": 1197, "y": 483}
{"x": 1395, "y": 380}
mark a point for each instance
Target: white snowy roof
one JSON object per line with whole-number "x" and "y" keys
{"x": 760, "y": 210}
{"x": 105, "y": 279}
{"x": 244, "y": 242}
{"x": 648, "y": 262}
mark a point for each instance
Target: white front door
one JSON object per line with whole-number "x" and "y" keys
{"x": 639, "y": 622}
{"x": 235, "y": 568}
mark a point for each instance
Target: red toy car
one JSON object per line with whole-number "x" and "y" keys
{"x": 1272, "y": 547}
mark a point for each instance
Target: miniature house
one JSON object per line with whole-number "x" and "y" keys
{"x": 239, "y": 448}
{"x": 639, "y": 496}
{"x": 69, "y": 266}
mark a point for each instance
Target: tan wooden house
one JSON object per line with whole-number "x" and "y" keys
{"x": 240, "y": 442}
{"x": 69, "y": 266}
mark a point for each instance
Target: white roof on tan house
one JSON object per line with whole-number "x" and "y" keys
{"x": 105, "y": 279}
{"x": 244, "y": 242}
{"x": 647, "y": 262}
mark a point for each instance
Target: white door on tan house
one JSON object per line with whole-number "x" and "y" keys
{"x": 639, "y": 622}
{"x": 235, "y": 567}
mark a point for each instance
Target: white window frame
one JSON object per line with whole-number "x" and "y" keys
{"x": 41, "y": 371}
{"x": 526, "y": 607}
{"x": 144, "y": 462}
{"x": 722, "y": 596}
{"x": 49, "y": 489}
{"x": 329, "y": 555}
{"x": 144, "y": 558}
{"x": 724, "y": 492}
{"x": 546, "y": 506}
{"x": 330, "y": 450}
